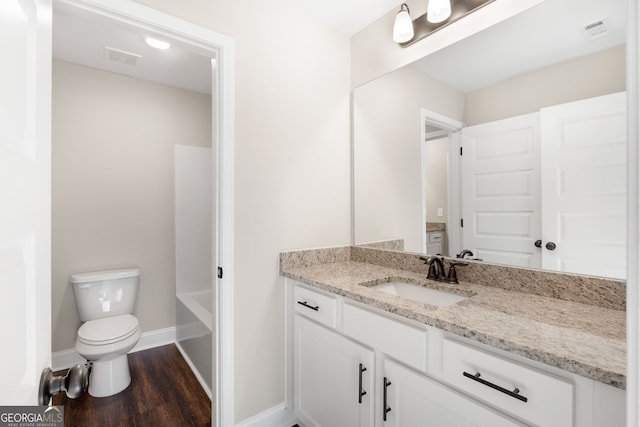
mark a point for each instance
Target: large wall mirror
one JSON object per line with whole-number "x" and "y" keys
{"x": 537, "y": 104}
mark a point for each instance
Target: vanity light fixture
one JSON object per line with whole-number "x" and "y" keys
{"x": 158, "y": 44}
{"x": 440, "y": 13}
{"x": 403, "y": 26}
{"x": 438, "y": 10}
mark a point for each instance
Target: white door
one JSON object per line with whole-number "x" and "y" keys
{"x": 501, "y": 191}
{"x": 584, "y": 149}
{"x": 416, "y": 401}
{"x": 331, "y": 374}
{"x": 25, "y": 230}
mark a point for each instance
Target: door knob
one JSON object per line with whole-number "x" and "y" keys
{"x": 538, "y": 243}
{"x": 550, "y": 245}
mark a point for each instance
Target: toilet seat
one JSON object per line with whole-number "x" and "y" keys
{"x": 108, "y": 330}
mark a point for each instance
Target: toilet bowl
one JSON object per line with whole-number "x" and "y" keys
{"x": 105, "y": 343}
{"x": 105, "y": 301}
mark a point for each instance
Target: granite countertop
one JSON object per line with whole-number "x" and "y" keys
{"x": 435, "y": 226}
{"x": 587, "y": 340}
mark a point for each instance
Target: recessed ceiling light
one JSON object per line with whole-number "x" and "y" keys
{"x": 158, "y": 44}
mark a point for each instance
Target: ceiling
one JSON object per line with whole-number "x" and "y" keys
{"x": 545, "y": 35}
{"x": 81, "y": 38}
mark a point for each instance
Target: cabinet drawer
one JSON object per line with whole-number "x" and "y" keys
{"x": 435, "y": 236}
{"x": 314, "y": 305}
{"x": 526, "y": 392}
{"x": 399, "y": 340}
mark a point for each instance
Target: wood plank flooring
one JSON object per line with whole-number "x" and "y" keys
{"x": 163, "y": 392}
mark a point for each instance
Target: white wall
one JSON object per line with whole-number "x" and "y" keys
{"x": 112, "y": 185}
{"x": 193, "y": 202}
{"x": 292, "y": 170}
{"x": 387, "y": 153}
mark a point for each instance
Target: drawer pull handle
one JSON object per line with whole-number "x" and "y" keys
{"x": 515, "y": 393}
{"x": 385, "y": 408}
{"x": 361, "y": 392}
{"x": 306, "y": 304}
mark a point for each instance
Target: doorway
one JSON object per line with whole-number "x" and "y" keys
{"x": 440, "y": 165}
{"x": 219, "y": 50}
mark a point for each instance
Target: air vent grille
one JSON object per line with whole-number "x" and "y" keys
{"x": 596, "y": 29}
{"x": 121, "y": 56}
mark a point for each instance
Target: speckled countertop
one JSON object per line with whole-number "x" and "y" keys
{"x": 588, "y": 340}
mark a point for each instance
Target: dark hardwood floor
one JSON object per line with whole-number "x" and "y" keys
{"x": 163, "y": 392}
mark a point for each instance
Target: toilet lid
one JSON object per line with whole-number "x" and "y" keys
{"x": 108, "y": 330}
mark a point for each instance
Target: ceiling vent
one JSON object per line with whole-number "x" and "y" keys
{"x": 121, "y": 56}
{"x": 596, "y": 30}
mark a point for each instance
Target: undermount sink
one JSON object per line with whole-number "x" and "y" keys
{"x": 419, "y": 293}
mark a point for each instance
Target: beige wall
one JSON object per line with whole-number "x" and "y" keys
{"x": 292, "y": 167}
{"x": 435, "y": 159}
{"x": 112, "y": 185}
{"x": 587, "y": 77}
{"x": 387, "y": 153}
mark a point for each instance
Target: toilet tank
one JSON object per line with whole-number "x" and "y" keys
{"x": 103, "y": 294}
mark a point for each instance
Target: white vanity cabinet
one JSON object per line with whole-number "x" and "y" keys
{"x": 355, "y": 365}
{"x": 333, "y": 378}
{"x": 410, "y": 399}
{"x": 435, "y": 241}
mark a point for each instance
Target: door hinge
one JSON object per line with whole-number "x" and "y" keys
{"x": 461, "y": 222}
{"x": 461, "y": 151}
{"x": 219, "y": 272}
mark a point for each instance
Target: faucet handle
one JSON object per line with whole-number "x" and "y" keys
{"x": 452, "y": 276}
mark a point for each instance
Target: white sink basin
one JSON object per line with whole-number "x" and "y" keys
{"x": 419, "y": 293}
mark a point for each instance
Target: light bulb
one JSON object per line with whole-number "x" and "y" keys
{"x": 158, "y": 44}
{"x": 438, "y": 10}
{"x": 403, "y": 26}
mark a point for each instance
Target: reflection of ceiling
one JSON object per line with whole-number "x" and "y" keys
{"x": 545, "y": 35}
{"x": 81, "y": 38}
{"x": 346, "y": 16}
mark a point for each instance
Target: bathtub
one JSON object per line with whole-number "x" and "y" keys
{"x": 194, "y": 325}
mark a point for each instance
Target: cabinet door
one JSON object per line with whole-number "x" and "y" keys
{"x": 333, "y": 378}
{"x": 413, "y": 400}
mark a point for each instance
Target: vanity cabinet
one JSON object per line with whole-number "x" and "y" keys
{"x": 355, "y": 365}
{"x": 411, "y": 399}
{"x": 435, "y": 241}
{"x": 333, "y": 378}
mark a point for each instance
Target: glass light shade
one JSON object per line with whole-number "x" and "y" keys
{"x": 438, "y": 10}
{"x": 158, "y": 44}
{"x": 402, "y": 26}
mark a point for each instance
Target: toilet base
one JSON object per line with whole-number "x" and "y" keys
{"x": 109, "y": 377}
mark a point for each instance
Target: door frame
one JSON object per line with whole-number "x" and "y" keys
{"x": 448, "y": 128}
{"x": 221, "y": 48}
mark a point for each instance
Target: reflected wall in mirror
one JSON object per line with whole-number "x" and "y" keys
{"x": 541, "y": 58}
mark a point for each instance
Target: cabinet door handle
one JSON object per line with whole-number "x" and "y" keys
{"x": 515, "y": 393}
{"x": 361, "y": 392}
{"x": 385, "y": 408}
{"x": 306, "y": 304}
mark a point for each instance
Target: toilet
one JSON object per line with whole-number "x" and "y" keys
{"x": 105, "y": 301}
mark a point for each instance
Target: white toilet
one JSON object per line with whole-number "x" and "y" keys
{"x": 105, "y": 301}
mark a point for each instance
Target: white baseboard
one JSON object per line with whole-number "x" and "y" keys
{"x": 278, "y": 416}
{"x": 67, "y": 358}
